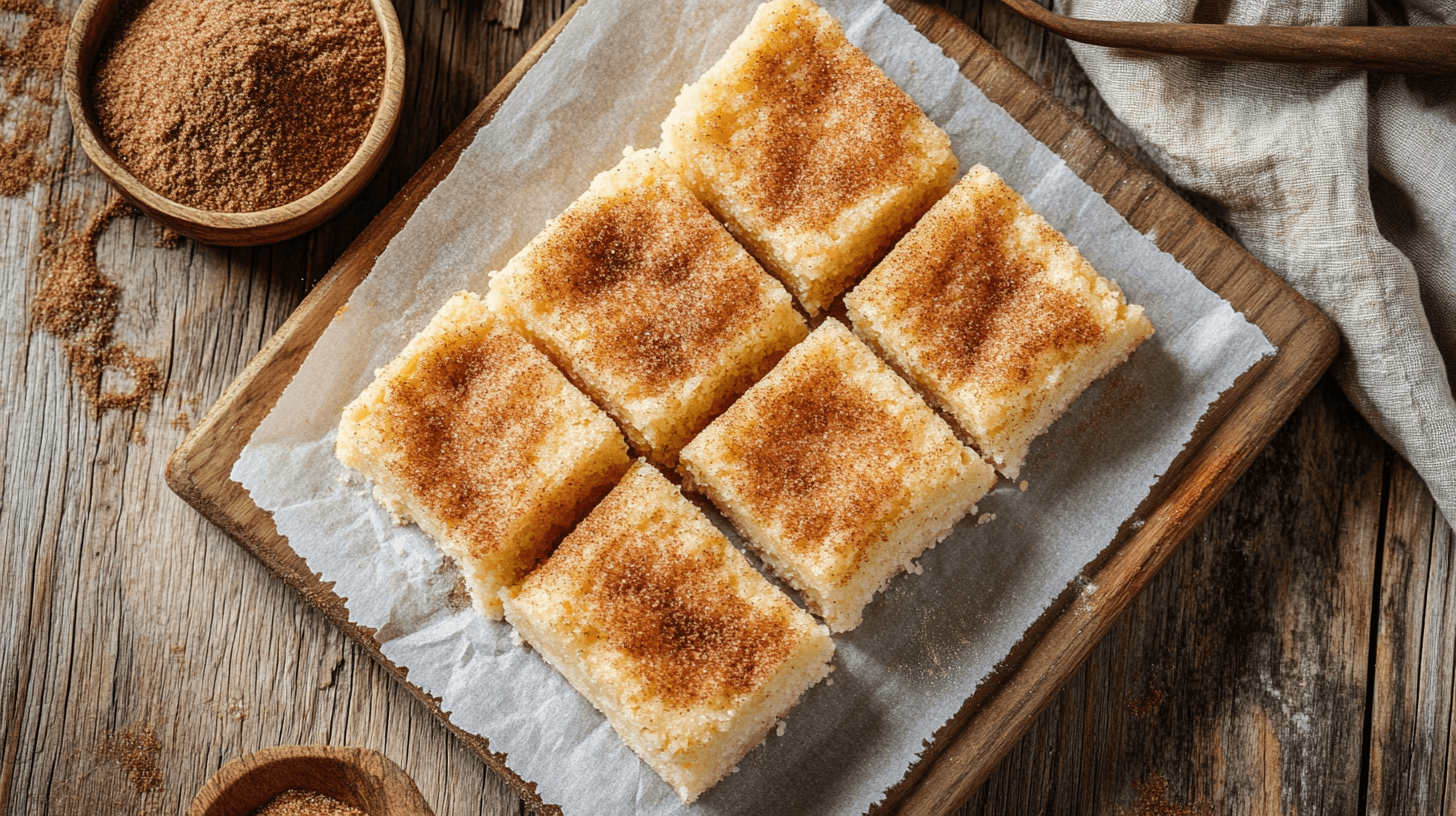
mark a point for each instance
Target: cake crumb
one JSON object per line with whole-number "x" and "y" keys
{"x": 237, "y": 709}
{"x": 783, "y": 726}
{"x": 1023, "y": 485}
{"x": 985, "y": 517}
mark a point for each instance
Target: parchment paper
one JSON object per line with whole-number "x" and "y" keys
{"x": 930, "y": 640}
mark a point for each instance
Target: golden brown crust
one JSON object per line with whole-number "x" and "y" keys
{"x": 651, "y": 275}
{"x": 813, "y": 157}
{"x": 829, "y": 129}
{"x": 466, "y": 422}
{"x": 795, "y": 465}
{"x": 663, "y": 601}
{"x": 975, "y": 303}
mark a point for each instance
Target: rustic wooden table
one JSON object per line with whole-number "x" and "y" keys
{"x": 1296, "y": 655}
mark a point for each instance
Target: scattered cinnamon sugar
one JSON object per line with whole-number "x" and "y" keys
{"x": 169, "y": 239}
{"x": 136, "y": 752}
{"x": 1149, "y": 702}
{"x": 1153, "y": 800}
{"x": 29, "y": 69}
{"x": 78, "y": 304}
{"x": 236, "y": 709}
{"x": 306, "y": 803}
{"x": 182, "y": 422}
{"x": 238, "y": 107}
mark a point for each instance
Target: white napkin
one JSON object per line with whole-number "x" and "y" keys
{"x": 1342, "y": 182}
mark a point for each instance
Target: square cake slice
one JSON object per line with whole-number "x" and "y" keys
{"x": 836, "y": 472}
{"x": 472, "y": 434}
{"x": 661, "y": 624}
{"x": 643, "y": 298}
{"x": 996, "y": 316}
{"x": 816, "y": 160}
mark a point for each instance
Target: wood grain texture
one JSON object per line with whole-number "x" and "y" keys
{"x": 122, "y": 607}
{"x": 1413, "y": 745}
{"x": 1241, "y": 667}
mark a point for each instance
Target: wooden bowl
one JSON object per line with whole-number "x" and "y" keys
{"x": 357, "y": 777}
{"x": 88, "y": 29}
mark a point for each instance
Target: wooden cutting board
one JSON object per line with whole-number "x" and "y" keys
{"x": 965, "y": 751}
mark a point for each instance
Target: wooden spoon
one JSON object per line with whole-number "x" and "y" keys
{"x": 358, "y": 777}
{"x": 1402, "y": 49}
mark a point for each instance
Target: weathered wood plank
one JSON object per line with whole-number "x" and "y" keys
{"x": 1413, "y": 745}
{"x": 123, "y": 610}
{"x": 1236, "y": 682}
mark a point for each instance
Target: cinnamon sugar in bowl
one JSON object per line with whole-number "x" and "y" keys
{"x": 236, "y": 123}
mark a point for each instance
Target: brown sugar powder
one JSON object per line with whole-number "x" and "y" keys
{"x": 136, "y": 752}
{"x": 78, "y": 304}
{"x": 306, "y": 803}
{"x": 28, "y": 70}
{"x": 238, "y": 107}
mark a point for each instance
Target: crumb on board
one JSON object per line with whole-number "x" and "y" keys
{"x": 1148, "y": 703}
{"x": 1152, "y": 800}
{"x": 136, "y": 751}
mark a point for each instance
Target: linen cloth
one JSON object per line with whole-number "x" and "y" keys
{"x": 1342, "y": 182}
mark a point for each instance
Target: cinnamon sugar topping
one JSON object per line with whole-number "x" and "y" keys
{"x": 829, "y": 127}
{"x": 804, "y": 464}
{"x": 976, "y": 303}
{"x": 467, "y": 423}
{"x": 691, "y": 637}
{"x": 653, "y": 283}
{"x": 657, "y": 586}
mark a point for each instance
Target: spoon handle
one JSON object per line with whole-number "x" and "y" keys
{"x": 1402, "y": 49}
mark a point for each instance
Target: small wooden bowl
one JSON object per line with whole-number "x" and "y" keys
{"x": 357, "y": 777}
{"x": 88, "y": 29}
